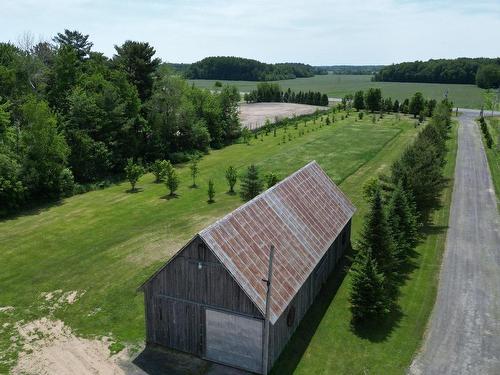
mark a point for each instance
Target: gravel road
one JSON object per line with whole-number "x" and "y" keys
{"x": 464, "y": 330}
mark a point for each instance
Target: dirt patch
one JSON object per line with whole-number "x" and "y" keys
{"x": 254, "y": 115}
{"x": 49, "y": 347}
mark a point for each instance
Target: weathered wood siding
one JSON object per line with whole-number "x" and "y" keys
{"x": 280, "y": 333}
{"x": 175, "y": 298}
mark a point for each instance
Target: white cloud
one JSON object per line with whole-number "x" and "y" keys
{"x": 314, "y": 31}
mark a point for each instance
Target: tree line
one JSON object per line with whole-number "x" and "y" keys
{"x": 373, "y": 101}
{"x": 351, "y": 69}
{"x": 271, "y": 92}
{"x": 71, "y": 117}
{"x": 241, "y": 69}
{"x": 481, "y": 71}
{"x": 400, "y": 203}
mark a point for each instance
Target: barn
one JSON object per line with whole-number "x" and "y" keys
{"x": 209, "y": 299}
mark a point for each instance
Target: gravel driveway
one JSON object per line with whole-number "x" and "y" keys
{"x": 464, "y": 330}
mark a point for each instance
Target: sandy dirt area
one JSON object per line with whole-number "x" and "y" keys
{"x": 254, "y": 115}
{"x": 51, "y": 348}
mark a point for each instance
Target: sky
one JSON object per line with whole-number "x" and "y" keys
{"x": 316, "y": 32}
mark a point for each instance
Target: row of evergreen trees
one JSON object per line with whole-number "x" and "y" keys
{"x": 399, "y": 205}
{"x": 271, "y": 92}
{"x": 373, "y": 101}
{"x": 486, "y": 132}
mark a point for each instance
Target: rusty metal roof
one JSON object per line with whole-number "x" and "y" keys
{"x": 301, "y": 216}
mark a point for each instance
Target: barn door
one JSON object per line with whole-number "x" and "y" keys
{"x": 233, "y": 340}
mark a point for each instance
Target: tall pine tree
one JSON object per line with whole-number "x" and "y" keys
{"x": 376, "y": 238}
{"x": 251, "y": 183}
{"x": 376, "y": 235}
{"x": 402, "y": 223}
{"x": 368, "y": 297}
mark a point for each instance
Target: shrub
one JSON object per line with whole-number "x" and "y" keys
{"x": 172, "y": 180}
{"x": 158, "y": 168}
{"x": 133, "y": 172}
{"x": 231, "y": 177}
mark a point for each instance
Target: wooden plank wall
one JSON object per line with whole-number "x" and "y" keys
{"x": 179, "y": 292}
{"x": 280, "y": 332}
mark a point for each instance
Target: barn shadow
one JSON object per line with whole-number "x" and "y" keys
{"x": 158, "y": 360}
{"x": 294, "y": 350}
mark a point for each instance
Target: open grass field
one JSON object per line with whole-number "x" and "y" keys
{"x": 493, "y": 154}
{"x": 105, "y": 243}
{"x": 336, "y": 86}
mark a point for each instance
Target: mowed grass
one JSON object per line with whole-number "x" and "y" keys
{"x": 108, "y": 242}
{"x": 336, "y": 86}
{"x": 493, "y": 153}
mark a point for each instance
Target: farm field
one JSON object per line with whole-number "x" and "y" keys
{"x": 336, "y": 86}
{"x": 254, "y": 115}
{"x": 103, "y": 244}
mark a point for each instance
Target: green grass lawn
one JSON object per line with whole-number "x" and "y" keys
{"x": 108, "y": 242}
{"x": 466, "y": 96}
{"x": 493, "y": 154}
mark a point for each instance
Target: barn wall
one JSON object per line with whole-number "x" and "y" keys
{"x": 176, "y": 297}
{"x": 280, "y": 333}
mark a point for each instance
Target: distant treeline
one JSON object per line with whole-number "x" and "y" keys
{"x": 350, "y": 69}
{"x": 241, "y": 69}
{"x": 481, "y": 71}
{"x": 271, "y": 92}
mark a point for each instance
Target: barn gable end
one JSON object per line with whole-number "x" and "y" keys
{"x": 191, "y": 281}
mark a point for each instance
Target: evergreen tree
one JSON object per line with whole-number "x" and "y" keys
{"x": 417, "y": 104}
{"x": 251, "y": 184}
{"x": 271, "y": 179}
{"x": 367, "y": 297}
{"x": 402, "y": 223}
{"x": 359, "y": 100}
{"x": 373, "y": 99}
{"x": 172, "y": 180}
{"x": 136, "y": 60}
{"x": 76, "y": 40}
{"x": 376, "y": 237}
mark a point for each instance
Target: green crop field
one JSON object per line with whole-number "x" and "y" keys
{"x": 336, "y": 86}
{"x": 105, "y": 243}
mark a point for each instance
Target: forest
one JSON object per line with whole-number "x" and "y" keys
{"x": 241, "y": 69}
{"x": 71, "y": 117}
{"x": 271, "y": 92}
{"x": 481, "y": 71}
